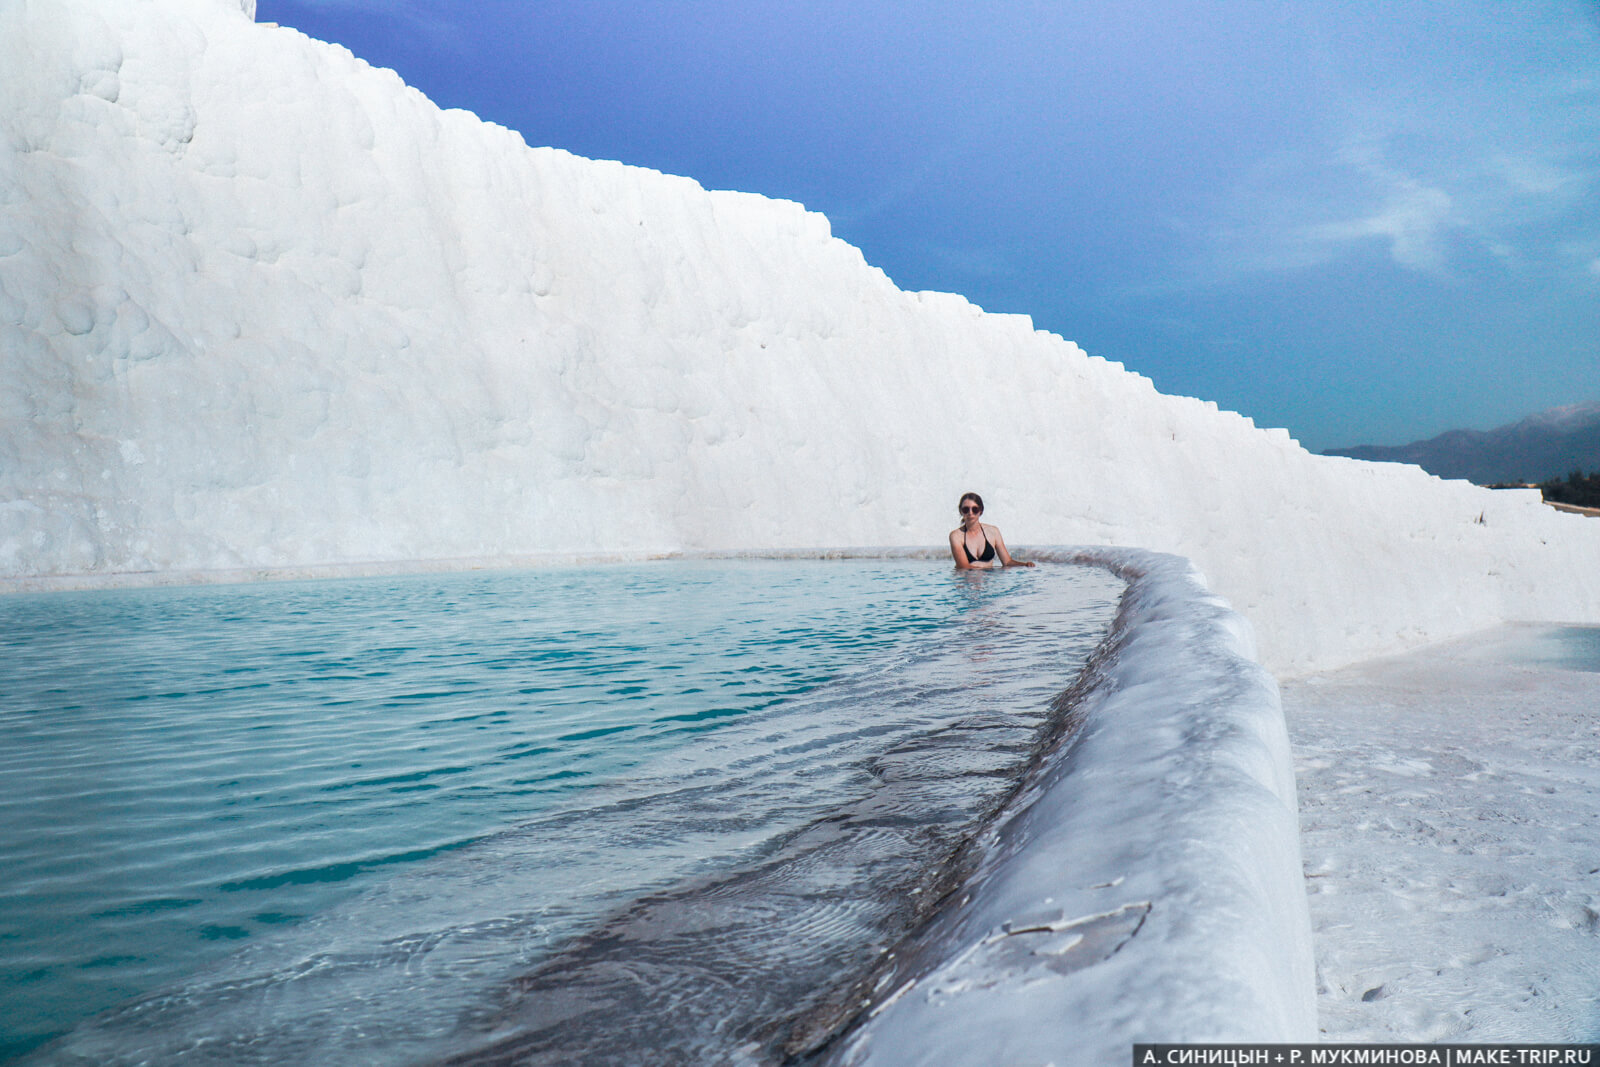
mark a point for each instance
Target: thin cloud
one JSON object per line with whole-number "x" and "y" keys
{"x": 1539, "y": 177}
{"x": 1296, "y": 212}
{"x": 1437, "y": 160}
{"x": 1412, "y": 216}
{"x": 430, "y": 22}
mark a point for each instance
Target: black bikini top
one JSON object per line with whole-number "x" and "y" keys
{"x": 988, "y": 549}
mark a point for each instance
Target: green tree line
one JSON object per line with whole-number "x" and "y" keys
{"x": 1578, "y": 488}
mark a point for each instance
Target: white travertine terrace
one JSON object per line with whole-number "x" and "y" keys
{"x": 1146, "y": 885}
{"x": 262, "y": 305}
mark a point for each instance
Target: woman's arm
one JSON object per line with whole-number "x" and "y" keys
{"x": 1005, "y": 556}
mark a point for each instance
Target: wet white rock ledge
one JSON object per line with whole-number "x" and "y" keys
{"x": 139, "y": 579}
{"x": 1147, "y": 885}
{"x": 377, "y": 568}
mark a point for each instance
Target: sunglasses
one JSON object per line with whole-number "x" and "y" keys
{"x": 973, "y": 508}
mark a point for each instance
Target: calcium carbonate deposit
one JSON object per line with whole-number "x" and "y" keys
{"x": 265, "y": 309}
{"x": 264, "y": 306}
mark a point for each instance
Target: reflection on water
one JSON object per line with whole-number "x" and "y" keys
{"x": 1572, "y": 648}
{"x": 473, "y": 823}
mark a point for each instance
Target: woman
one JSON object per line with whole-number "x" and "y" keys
{"x": 975, "y": 545}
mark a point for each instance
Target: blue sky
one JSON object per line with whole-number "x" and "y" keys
{"x": 1366, "y": 221}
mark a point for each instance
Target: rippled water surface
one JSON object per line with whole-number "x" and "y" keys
{"x": 395, "y": 820}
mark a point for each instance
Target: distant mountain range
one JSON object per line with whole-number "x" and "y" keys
{"x": 1540, "y": 447}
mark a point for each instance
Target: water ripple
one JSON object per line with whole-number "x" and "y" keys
{"x": 389, "y": 810}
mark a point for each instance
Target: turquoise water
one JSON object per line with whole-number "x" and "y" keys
{"x": 1573, "y": 648}
{"x": 398, "y": 792}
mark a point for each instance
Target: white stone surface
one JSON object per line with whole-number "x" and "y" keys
{"x": 264, "y": 306}
{"x": 1147, "y": 885}
{"x": 1450, "y": 803}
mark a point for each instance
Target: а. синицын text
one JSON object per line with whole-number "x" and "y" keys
{"x": 1365, "y": 1055}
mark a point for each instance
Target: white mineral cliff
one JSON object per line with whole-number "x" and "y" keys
{"x": 262, "y": 305}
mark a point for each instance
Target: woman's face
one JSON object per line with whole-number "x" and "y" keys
{"x": 970, "y": 510}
